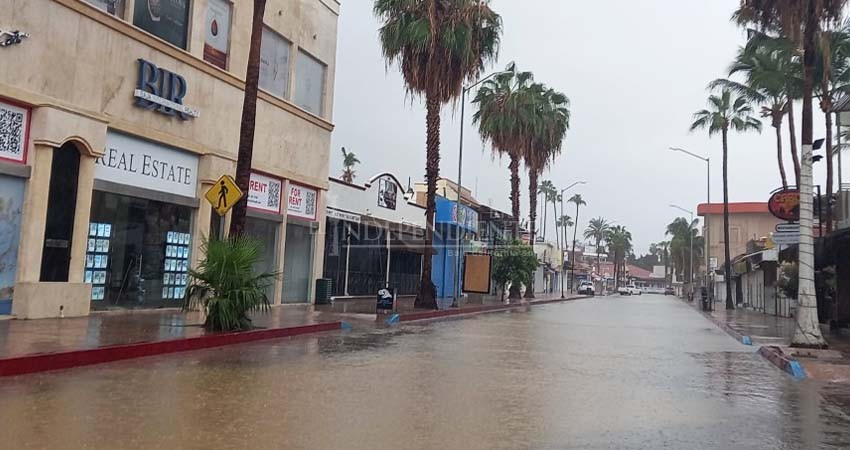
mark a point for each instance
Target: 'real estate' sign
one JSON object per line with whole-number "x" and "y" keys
{"x": 137, "y": 162}
{"x": 264, "y": 193}
{"x": 162, "y": 91}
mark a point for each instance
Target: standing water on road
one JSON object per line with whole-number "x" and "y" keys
{"x": 606, "y": 373}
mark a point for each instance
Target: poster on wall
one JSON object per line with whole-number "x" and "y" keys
{"x": 11, "y": 206}
{"x": 165, "y": 19}
{"x": 14, "y": 132}
{"x": 217, "y": 32}
{"x": 301, "y": 202}
{"x": 264, "y": 193}
{"x": 387, "y": 193}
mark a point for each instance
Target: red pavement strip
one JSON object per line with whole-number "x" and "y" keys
{"x": 64, "y": 360}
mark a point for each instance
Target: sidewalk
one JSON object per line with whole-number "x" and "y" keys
{"x": 772, "y": 335}
{"x": 28, "y": 346}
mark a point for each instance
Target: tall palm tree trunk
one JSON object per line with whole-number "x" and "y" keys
{"x": 555, "y": 215}
{"x": 730, "y": 303}
{"x": 792, "y": 134}
{"x": 532, "y": 212}
{"x": 514, "y": 292}
{"x": 778, "y": 127}
{"x": 514, "y": 168}
{"x": 598, "y": 263}
{"x": 807, "y": 333}
{"x": 427, "y": 298}
{"x": 249, "y": 119}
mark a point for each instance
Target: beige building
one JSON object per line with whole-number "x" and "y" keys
{"x": 747, "y": 221}
{"x": 117, "y": 116}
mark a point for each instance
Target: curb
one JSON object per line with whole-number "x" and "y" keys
{"x": 44, "y": 362}
{"x": 445, "y": 314}
{"x": 787, "y": 364}
{"x": 744, "y": 339}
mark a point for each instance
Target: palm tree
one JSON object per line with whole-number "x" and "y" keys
{"x": 564, "y": 222}
{"x": 726, "y": 112}
{"x": 549, "y": 120}
{"x": 249, "y": 119}
{"x": 766, "y": 70}
{"x": 549, "y": 191}
{"x": 437, "y": 45}
{"x": 349, "y": 160}
{"x": 578, "y": 201}
{"x": 800, "y": 21}
{"x": 502, "y": 119}
{"x": 556, "y": 198}
{"x": 684, "y": 235}
{"x": 620, "y": 245}
{"x": 596, "y": 230}
{"x": 834, "y": 75}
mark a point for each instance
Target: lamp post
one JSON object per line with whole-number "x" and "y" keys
{"x": 457, "y": 278}
{"x": 691, "y": 239}
{"x": 708, "y": 205}
{"x": 564, "y": 243}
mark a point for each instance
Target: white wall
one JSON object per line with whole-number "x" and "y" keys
{"x": 364, "y": 200}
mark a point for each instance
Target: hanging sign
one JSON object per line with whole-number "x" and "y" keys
{"x": 785, "y": 205}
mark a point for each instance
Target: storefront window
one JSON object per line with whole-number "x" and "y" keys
{"x": 114, "y": 7}
{"x": 274, "y": 64}
{"x": 137, "y": 252}
{"x": 11, "y": 207}
{"x": 309, "y": 83}
{"x": 266, "y": 232}
{"x": 165, "y": 19}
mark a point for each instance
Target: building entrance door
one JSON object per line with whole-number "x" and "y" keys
{"x": 297, "y": 264}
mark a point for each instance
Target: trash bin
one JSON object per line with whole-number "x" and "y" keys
{"x": 703, "y": 291}
{"x": 323, "y": 291}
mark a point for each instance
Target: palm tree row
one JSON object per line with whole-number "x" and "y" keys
{"x": 797, "y": 50}
{"x": 441, "y": 45}
{"x": 619, "y": 242}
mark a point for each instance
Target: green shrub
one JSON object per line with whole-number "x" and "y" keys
{"x": 513, "y": 263}
{"x": 225, "y": 285}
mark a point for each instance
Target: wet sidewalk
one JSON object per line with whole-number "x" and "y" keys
{"x": 106, "y": 336}
{"x": 773, "y": 335}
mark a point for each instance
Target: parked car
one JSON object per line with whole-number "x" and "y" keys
{"x": 586, "y": 288}
{"x": 669, "y": 291}
{"x": 629, "y": 290}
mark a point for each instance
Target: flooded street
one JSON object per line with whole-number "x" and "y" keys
{"x": 608, "y": 373}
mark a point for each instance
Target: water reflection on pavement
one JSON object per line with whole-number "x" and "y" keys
{"x": 606, "y": 373}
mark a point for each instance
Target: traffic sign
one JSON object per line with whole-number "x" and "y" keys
{"x": 223, "y": 195}
{"x": 788, "y": 228}
{"x": 785, "y": 238}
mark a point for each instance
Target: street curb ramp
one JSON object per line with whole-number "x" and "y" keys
{"x": 784, "y": 362}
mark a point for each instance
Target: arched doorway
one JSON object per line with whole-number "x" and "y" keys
{"x": 61, "y": 211}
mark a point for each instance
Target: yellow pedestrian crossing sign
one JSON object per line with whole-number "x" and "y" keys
{"x": 223, "y": 195}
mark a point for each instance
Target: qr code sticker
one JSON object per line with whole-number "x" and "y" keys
{"x": 274, "y": 196}
{"x": 12, "y": 132}
{"x": 310, "y": 207}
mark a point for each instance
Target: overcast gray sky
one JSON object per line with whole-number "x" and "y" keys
{"x": 635, "y": 72}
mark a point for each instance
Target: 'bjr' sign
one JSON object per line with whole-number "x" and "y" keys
{"x": 163, "y": 91}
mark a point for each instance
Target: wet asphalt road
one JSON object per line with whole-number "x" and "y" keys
{"x": 608, "y": 373}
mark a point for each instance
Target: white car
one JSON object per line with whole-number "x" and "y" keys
{"x": 629, "y": 290}
{"x": 586, "y": 288}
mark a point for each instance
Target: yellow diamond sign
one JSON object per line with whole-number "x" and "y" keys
{"x": 223, "y": 195}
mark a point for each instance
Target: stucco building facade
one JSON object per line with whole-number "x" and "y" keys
{"x": 116, "y": 116}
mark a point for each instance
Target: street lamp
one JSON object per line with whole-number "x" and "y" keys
{"x": 564, "y": 243}
{"x": 690, "y": 238}
{"x": 708, "y": 205}
{"x": 457, "y": 278}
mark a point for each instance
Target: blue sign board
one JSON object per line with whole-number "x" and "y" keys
{"x": 448, "y": 212}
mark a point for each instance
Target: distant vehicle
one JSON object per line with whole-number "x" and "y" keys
{"x": 629, "y": 290}
{"x": 586, "y": 288}
{"x": 669, "y": 291}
